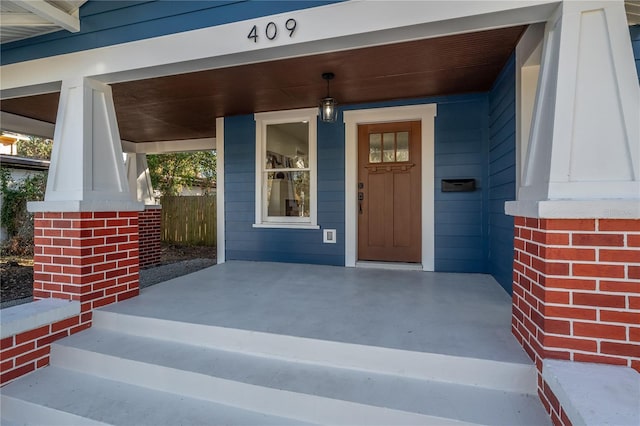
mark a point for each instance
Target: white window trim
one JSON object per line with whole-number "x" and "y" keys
{"x": 264, "y": 119}
{"x": 426, "y": 114}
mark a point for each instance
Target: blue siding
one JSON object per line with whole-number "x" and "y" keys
{"x": 105, "y": 23}
{"x": 461, "y": 224}
{"x": 243, "y": 242}
{"x": 635, "y": 43}
{"x": 502, "y": 173}
{"x": 460, "y": 217}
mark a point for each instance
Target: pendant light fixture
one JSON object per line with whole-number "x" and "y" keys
{"x": 328, "y": 110}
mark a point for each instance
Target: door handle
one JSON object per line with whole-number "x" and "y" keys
{"x": 360, "y": 198}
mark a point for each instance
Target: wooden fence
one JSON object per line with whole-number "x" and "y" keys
{"x": 189, "y": 220}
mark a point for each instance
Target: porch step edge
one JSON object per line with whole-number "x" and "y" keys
{"x": 496, "y": 375}
{"x": 19, "y": 411}
{"x": 303, "y": 407}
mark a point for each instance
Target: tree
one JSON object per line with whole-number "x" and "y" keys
{"x": 35, "y": 147}
{"x": 170, "y": 173}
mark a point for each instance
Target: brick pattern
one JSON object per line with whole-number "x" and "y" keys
{"x": 25, "y": 352}
{"x": 150, "y": 228}
{"x": 88, "y": 256}
{"x": 551, "y": 404}
{"x": 576, "y": 290}
{"x": 91, "y": 257}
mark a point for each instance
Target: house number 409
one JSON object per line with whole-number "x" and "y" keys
{"x": 271, "y": 30}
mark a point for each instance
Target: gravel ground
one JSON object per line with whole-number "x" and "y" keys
{"x": 16, "y": 274}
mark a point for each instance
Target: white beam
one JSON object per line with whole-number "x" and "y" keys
{"x": 387, "y": 22}
{"x": 51, "y": 14}
{"x": 164, "y": 147}
{"x": 26, "y": 126}
{"x": 24, "y": 20}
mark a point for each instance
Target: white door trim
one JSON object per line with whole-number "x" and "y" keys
{"x": 426, "y": 115}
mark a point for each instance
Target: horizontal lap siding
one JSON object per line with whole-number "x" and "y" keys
{"x": 502, "y": 174}
{"x": 460, "y": 152}
{"x": 243, "y": 242}
{"x": 635, "y": 43}
{"x": 105, "y": 23}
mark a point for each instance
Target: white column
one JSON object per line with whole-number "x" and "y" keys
{"x": 87, "y": 172}
{"x": 584, "y": 149}
{"x": 139, "y": 178}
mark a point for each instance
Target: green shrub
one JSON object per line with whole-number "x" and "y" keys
{"x": 14, "y": 215}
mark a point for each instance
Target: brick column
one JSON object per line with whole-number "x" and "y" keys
{"x": 91, "y": 257}
{"x": 150, "y": 228}
{"x": 576, "y": 289}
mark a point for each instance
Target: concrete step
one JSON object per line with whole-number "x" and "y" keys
{"x": 495, "y": 375}
{"x": 130, "y": 369}
{"x": 299, "y": 390}
{"x": 56, "y": 396}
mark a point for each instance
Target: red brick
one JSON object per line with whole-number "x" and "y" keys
{"x": 61, "y": 224}
{"x": 598, "y": 270}
{"x": 623, "y": 349}
{"x": 633, "y": 240}
{"x": 570, "y": 343}
{"x": 30, "y": 335}
{"x": 92, "y": 223}
{"x": 556, "y": 268}
{"x": 79, "y": 328}
{"x": 599, "y": 300}
{"x": 32, "y": 356}
{"x": 52, "y": 215}
{"x": 554, "y": 253}
{"x": 128, "y": 262}
{"x": 570, "y": 313}
{"x": 604, "y": 331}
{"x": 6, "y": 365}
{"x": 43, "y": 362}
{"x": 116, "y": 273}
{"x": 74, "y": 251}
{"x": 111, "y": 248}
{"x": 634, "y": 302}
{"x": 635, "y": 364}
{"x": 88, "y": 242}
{"x": 104, "y": 232}
{"x": 128, "y": 230}
{"x": 42, "y": 223}
{"x": 116, "y": 256}
{"x": 634, "y": 272}
{"x": 598, "y": 359}
{"x": 620, "y": 316}
{"x": 66, "y": 323}
{"x": 565, "y": 420}
{"x": 619, "y": 224}
{"x": 634, "y": 334}
{"x": 6, "y": 342}
{"x": 51, "y": 287}
{"x": 598, "y": 240}
{"x": 104, "y": 301}
{"x": 620, "y": 286}
{"x": 557, "y": 326}
{"x": 52, "y": 250}
{"x": 88, "y": 279}
{"x": 555, "y": 404}
{"x": 78, "y": 233}
{"x": 55, "y": 269}
{"x": 62, "y": 242}
{"x": 117, "y": 222}
{"x": 557, "y": 297}
{"x": 557, "y": 239}
{"x": 519, "y": 221}
{"x": 105, "y": 215}
{"x": 18, "y": 350}
{"x": 570, "y": 283}
{"x": 15, "y": 373}
{"x": 569, "y": 224}
{"x": 104, "y": 266}
{"x": 118, "y": 239}
{"x": 116, "y": 289}
{"x": 103, "y": 284}
{"x": 50, "y": 233}
{"x": 557, "y": 354}
{"x": 128, "y": 214}
{"x": 52, "y": 338}
{"x": 632, "y": 256}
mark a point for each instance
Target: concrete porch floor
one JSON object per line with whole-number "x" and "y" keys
{"x": 465, "y": 315}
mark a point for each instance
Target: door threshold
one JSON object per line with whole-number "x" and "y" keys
{"x": 397, "y": 266}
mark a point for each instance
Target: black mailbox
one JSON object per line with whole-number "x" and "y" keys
{"x": 458, "y": 185}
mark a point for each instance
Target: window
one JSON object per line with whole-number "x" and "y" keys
{"x": 286, "y": 169}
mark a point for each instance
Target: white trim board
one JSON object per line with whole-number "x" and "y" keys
{"x": 426, "y": 115}
{"x": 220, "y": 221}
{"x": 387, "y": 22}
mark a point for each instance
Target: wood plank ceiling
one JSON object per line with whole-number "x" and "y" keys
{"x": 185, "y": 106}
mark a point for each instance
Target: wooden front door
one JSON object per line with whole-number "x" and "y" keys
{"x": 389, "y": 192}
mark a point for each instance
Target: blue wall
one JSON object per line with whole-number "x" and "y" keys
{"x": 502, "y": 173}
{"x": 461, "y": 230}
{"x": 104, "y": 23}
{"x": 243, "y": 242}
{"x": 635, "y": 43}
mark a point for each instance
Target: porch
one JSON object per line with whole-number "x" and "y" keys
{"x": 258, "y": 343}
